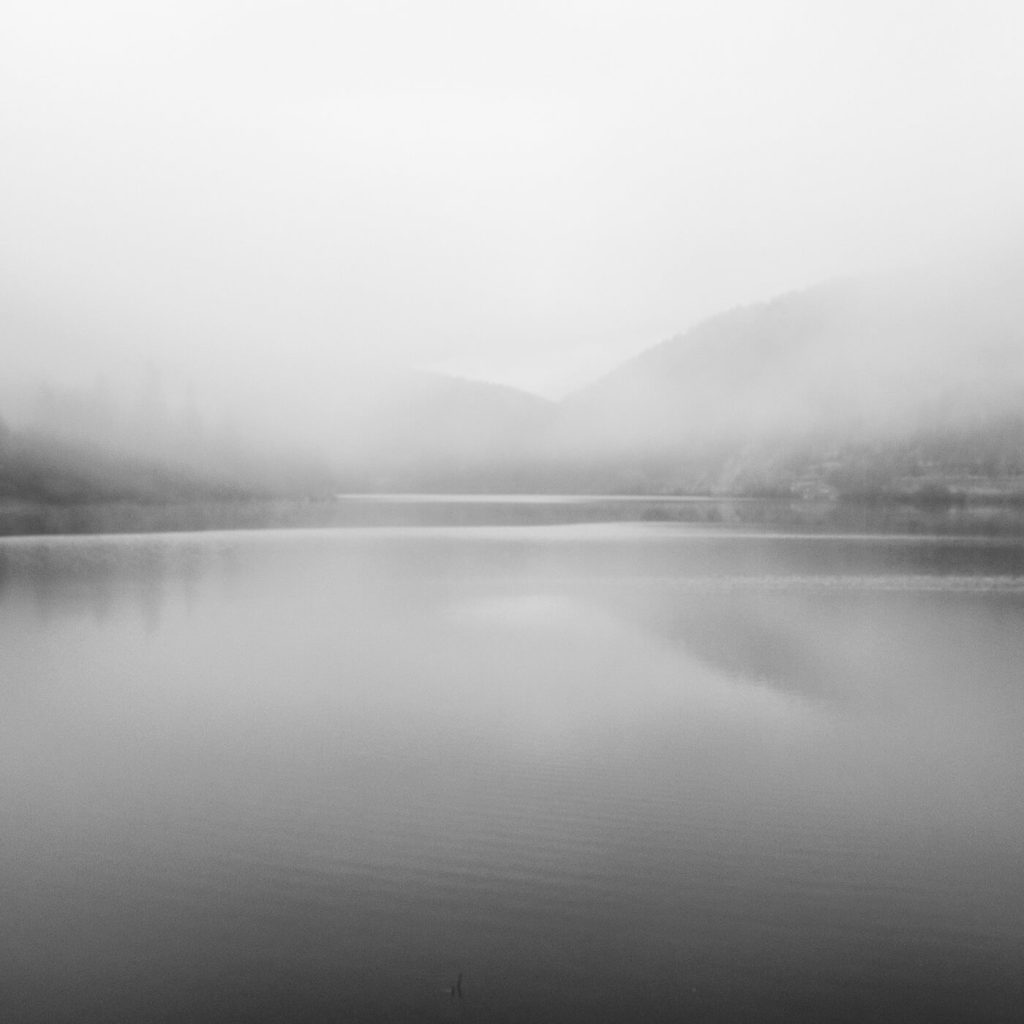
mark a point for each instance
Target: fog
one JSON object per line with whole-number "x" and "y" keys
{"x": 274, "y": 217}
{"x": 511, "y": 511}
{"x": 877, "y": 357}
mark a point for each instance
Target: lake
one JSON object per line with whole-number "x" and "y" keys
{"x": 640, "y": 765}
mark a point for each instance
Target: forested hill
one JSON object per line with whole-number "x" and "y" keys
{"x": 54, "y": 467}
{"x": 907, "y": 384}
{"x": 406, "y": 431}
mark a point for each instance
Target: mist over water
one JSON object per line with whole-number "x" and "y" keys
{"x": 606, "y": 772}
{"x": 511, "y": 512}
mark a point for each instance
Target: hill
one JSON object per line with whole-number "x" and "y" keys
{"x": 909, "y": 385}
{"x": 902, "y": 385}
{"x": 432, "y": 432}
{"x": 384, "y": 431}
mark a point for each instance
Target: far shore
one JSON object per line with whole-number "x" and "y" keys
{"x": 959, "y": 514}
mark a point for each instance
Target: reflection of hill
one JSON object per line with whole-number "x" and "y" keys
{"x": 776, "y": 610}
{"x": 765, "y": 641}
{"x": 91, "y": 576}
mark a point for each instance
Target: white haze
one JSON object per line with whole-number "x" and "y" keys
{"x": 870, "y": 357}
{"x": 259, "y": 203}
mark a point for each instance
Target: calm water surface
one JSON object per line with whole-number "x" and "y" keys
{"x": 633, "y": 771}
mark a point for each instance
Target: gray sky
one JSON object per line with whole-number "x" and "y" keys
{"x": 525, "y": 192}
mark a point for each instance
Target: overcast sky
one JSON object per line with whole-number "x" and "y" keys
{"x": 523, "y": 192}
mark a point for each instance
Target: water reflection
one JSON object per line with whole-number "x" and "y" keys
{"x": 68, "y": 575}
{"x": 604, "y": 772}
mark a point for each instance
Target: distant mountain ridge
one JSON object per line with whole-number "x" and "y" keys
{"x": 407, "y": 431}
{"x": 907, "y": 385}
{"x": 872, "y": 385}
